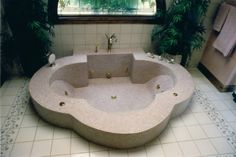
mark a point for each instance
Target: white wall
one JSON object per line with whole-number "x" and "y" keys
{"x": 81, "y": 36}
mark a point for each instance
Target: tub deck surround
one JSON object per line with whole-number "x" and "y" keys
{"x": 121, "y": 128}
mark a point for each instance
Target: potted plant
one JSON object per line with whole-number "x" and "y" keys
{"x": 31, "y": 32}
{"x": 182, "y": 30}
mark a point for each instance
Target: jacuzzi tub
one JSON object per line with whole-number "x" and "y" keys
{"x": 121, "y": 100}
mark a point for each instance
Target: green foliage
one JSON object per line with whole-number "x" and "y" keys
{"x": 101, "y": 5}
{"x": 182, "y": 29}
{"x": 31, "y": 32}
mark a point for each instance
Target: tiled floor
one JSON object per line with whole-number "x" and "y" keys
{"x": 195, "y": 133}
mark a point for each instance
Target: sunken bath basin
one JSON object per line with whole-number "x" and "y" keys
{"x": 121, "y": 100}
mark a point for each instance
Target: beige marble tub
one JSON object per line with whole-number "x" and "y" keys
{"x": 127, "y": 110}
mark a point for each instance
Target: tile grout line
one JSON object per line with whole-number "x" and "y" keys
{"x": 52, "y": 141}
{"x": 17, "y": 97}
{"x": 34, "y": 138}
{"x": 212, "y": 109}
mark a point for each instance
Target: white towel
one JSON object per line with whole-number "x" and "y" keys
{"x": 226, "y": 40}
{"x": 221, "y": 17}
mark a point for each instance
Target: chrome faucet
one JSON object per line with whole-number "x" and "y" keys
{"x": 110, "y": 40}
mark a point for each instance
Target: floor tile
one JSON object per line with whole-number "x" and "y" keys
{"x": 99, "y": 154}
{"x": 181, "y": 134}
{"x": 43, "y": 123}
{"x": 30, "y": 111}
{"x": 6, "y": 150}
{"x": 41, "y": 148}
{"x": 211, "y": 96}
{"x": 230, "y": 104}
{"x": 4, "y": 110}
{"x": 61, "y": 133}
{"x": 197, "y": 132}
{"x": 176, "y": 122}
{"x": 74, "y": 134}
{"x": 189, "y": 119}
{"x": 7, "y": 100}
{"x": 30, "y": 121}
{"x": 59, "y": 156}
{"x": 26, "y": 134}
{"x": 79, "y": 145}
{"x": 95, "y": 147}
{"x": 154, "y": 141}
{"x": 205, "y": 147}
{"x": 10, "y": 91}
{"x": 21, "y": 149}
{"x": 222, "y": 146}
{"x": 60, "y": 147}
{"x": 228, "y": 116}
{"x": 202, "y": 118}
{"x": 11, "y": 136}
{"x": 118, "y": 153}
{"x": 80, "y": 155}
{"x": 233, "y": 125}
{"x": 16, "y": 82}
{"x": 167, "y": 136}
{"x": 155, "y": 151}
{"x": 137, "y": 152}
{"x": 211, "y": 130}
{"x": 220, "y": 105}
{"x": 172, "y": 150}
{"x": 195, "y": 107}
{"x": 189, "y": 149}
{"x": 44, "y": 133}
{"x": 205, "y": 88}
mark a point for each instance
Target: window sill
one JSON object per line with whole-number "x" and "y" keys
{"x": 107, "y": 19}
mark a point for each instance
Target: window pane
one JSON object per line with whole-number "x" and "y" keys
{"x": 106, "y": 7}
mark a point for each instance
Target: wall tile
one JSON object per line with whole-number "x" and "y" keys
{"x": 146, "y": 38}
{"x": 57, "y": 29}
{"x": 137, "y": 28}
{"x": 67, "y": 39}
{"x": 90, "y": 39}
{"x": 147, "y": 29}
{"x": 125, "y": 38}
{"x": 81, "y": 36}
{"x": 114, "y": 28}
{"x": 66, "y": 29}
{"x": 136, "y": 38}
{"x": 90, "y": 29}
{"x": 79, "y": 39}
{"x": 78, "y": 29}
{"x": 126, "y": 28}
{"x": 102, "y": 28}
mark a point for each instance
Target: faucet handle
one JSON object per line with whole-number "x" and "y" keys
{"x": 107, "y": 36}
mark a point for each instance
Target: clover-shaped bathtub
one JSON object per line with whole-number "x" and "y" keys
{"x": 120, "y": 100}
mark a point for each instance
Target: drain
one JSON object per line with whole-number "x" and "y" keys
{"x": 66, "y": 93}
{"x": 108, "y": 75}
{"x": 175, "y": 94}
{"x": 158, "y": 86}
{"x": 113, "y": 97}
{"x": 62, "y": 103}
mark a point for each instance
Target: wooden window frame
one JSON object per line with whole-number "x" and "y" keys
{"x": 102, "y": 19}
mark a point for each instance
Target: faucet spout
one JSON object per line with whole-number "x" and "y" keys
{"x": 110, "y": 40}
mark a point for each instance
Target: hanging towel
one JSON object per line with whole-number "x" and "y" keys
{"x": 221, "y": 17}
{"x": 226, "y": 40}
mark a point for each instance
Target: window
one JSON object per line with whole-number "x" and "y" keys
{"x": 105, "y": 11}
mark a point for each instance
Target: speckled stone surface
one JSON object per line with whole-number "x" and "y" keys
{"x": 55, "y": 94}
